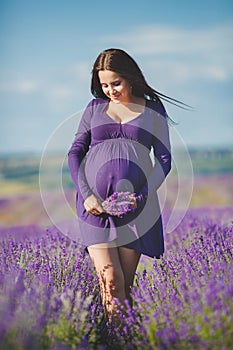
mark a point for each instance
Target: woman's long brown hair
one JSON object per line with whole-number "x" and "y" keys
{"x": 122, "y": 63}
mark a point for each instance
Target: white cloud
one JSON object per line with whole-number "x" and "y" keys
{"x": 184, "y": 54}
{"x": 80, "y": 70}
{"x": 60, "y": 91}
{"x": 69, "y": 86}
{"x": 181, "y": 72}
{"x": 58, "y": 87}
{"x": 147, "y": 40}
{"x": 22, "y": 86}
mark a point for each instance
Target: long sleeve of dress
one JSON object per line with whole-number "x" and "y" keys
{"x": 77, "y": 152}
{"x": 161, "y": 151}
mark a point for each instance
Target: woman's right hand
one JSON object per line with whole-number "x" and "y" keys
{"x": 92, "y": 205}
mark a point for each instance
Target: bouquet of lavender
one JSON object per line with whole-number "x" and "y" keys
{"x": 119, "y": 203}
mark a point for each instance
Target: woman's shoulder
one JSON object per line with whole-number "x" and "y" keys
{"x": 95, "y": 102}
{"x": 93, "y": 107}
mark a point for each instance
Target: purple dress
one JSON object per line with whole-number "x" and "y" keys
{"x": 107, "y": 156}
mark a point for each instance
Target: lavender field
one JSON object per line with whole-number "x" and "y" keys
{"x": 49, "y": 296}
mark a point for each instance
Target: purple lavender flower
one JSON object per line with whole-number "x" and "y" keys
{"x": 50, "y": 293}
{"x": 119, "y": 203}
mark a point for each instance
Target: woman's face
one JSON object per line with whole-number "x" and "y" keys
{"x": 114, "y": 86}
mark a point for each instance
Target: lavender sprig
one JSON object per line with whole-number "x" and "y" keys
{"x": 119, "y": 203}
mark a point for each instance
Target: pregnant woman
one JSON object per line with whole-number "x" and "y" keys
{"x": 111, "y": 154}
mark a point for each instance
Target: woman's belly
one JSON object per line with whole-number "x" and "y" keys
{"x": 117, "y": 165}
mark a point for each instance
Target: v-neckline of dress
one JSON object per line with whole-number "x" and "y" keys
{"x": 131, "y": 120}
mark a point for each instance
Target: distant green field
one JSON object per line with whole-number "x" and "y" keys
{"x": 24, "y": 169}
{"x": 20, "y": 191}
{"x": 212, "y": 162}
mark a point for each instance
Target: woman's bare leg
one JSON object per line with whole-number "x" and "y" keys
{"x": 129, "y": 260}
{"x": 111, "y": 277}
{"x": 116, "y": 267}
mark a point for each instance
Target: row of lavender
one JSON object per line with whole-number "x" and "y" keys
{"x": 50, "y": 296}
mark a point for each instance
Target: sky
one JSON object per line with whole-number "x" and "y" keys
{"x": 48, "y": 48}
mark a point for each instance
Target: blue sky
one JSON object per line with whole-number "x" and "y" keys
{"x": 184, "y": 49}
